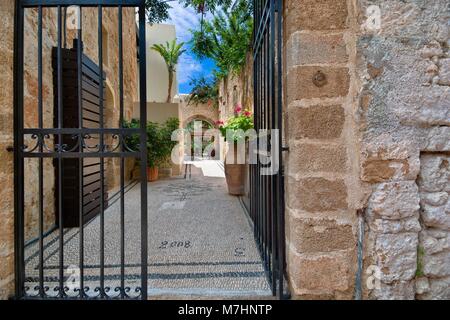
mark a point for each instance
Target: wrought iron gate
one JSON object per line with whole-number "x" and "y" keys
{"x": 87, "y": 147}
{"x": 267, "y": 190}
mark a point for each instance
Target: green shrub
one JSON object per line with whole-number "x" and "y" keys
{"x": 159, "y": 140}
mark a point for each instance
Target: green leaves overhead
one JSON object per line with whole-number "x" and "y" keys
{"x": 226, "y": 38}
{"x": 204, "y": 92}
{"x": 158, "y": 10}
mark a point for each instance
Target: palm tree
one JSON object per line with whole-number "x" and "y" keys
{"x": 171, "y": 53}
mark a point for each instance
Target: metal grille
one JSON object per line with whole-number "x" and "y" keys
{"x": 65, "y": 142}
{"x": 267, "y": 191}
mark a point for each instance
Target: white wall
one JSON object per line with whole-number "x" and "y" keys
{"x": 157, "y": 75}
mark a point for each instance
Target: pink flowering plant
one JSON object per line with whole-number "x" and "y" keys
{"x": 237, "y": 126}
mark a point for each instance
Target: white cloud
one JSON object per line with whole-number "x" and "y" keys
{"x": 184, "y": 19}
{"x": 187, "y": 68}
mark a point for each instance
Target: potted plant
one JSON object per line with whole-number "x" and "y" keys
{"x": 234, "y": 133}
{"x": 159, "y": 144}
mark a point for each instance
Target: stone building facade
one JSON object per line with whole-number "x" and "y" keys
{"x": 370, "y": 145}
{"x": 367, "y": 172}
{"x": 191, "y": 111}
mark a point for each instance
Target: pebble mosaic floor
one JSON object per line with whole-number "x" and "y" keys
{"x": 200, "y": 242}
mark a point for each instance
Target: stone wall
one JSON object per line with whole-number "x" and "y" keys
{"x": 189, "y": 112}
{"x": 371, "y": 136}
{"x": 237, "y": 89}
{"x": 6, "y": 159}
{"x": 404, "y": 118}
{"x": 433, "y": 261}
{"x": 31, "y": 114}
{"x": 322, "y": 186}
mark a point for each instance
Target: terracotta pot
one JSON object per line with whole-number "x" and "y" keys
{"x": 152, "y": 174}
{"x": 235, "y": 176}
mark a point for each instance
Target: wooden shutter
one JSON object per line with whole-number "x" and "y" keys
{"x": 71, "y": 201}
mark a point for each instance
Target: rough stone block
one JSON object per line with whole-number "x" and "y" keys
{"x": 6, "y": 266}
{"x": 437, "y": 265}
{"x": 438, "y": 139}
{"x": 305, "y": 48}
{"x": 440, "y": 289}
{"x": 316, "y": 122}
{"x": 321, "y": 235}
{"x": 317, "y": 194}
{"x": 300, "y": 83}
{"x": 435, "y": 199}
{"x": 316, "y": 15}
{"x": 435, "y": 173}
{"x": 438, "y": 217}
{"x": 7, "y": 289}
{"x": 376, "y": 170}
{"x": 394, "y": 200}
{"x": 432, "y": 243}
{"x": 325, "y": 274}
{"x": 444, "y": 72}
{"x": 410, "y": 224}
{"x": 305, "y": 157}
{"x": 397, "y": 256}
{"x": 400, "y": 290}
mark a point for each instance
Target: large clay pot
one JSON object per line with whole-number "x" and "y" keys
{"x": 235, "y": 175}
{"x": 152, "y": 174}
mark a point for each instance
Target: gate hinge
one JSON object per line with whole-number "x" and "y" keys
{"x": 10, "y": 149}
{"x": 285, "y": 148}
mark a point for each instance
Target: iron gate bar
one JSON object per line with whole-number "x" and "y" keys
{"x": 143, "y": 117}
{"x": 81, "y": 161}
{"x": 122, "y": 161}
{"x": 41, "y": 164}
{"x": 280, "y": 177}
{"x": 102, "y": 160}
{"x": 267, "y": 202}
{"x": 61, "y": 292}
{"x": 40, "y": 134}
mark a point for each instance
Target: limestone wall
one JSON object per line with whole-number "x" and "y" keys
{"x": 404, "y": 117}
{"x": 323, "y": 193}
{"x": 189, "y": 112}
{"x": 237, "y": 89}
{"x": 373, "y": 138}
{"x": 6, "y": 159}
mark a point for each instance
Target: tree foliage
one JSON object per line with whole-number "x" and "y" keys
{"x": 171, "y": 53}
{"x": 159, "y": 140}
{"x": 226, "y": 38}
{"x": 204, "y": 91}
{"x": 158, "y": 10}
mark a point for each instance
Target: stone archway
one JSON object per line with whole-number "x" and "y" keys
{"x": 199, "y": 118}
{"x": 207, "y": 137}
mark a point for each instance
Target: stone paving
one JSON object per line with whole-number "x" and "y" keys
{"x": 200, "y": 242}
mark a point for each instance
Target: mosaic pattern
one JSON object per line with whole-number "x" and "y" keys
{"x": 200, "y": 241}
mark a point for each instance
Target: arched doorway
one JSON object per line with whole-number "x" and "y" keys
{"x": 204, "y": 140}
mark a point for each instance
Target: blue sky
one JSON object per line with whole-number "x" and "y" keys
{"x": 189, "y": 66}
